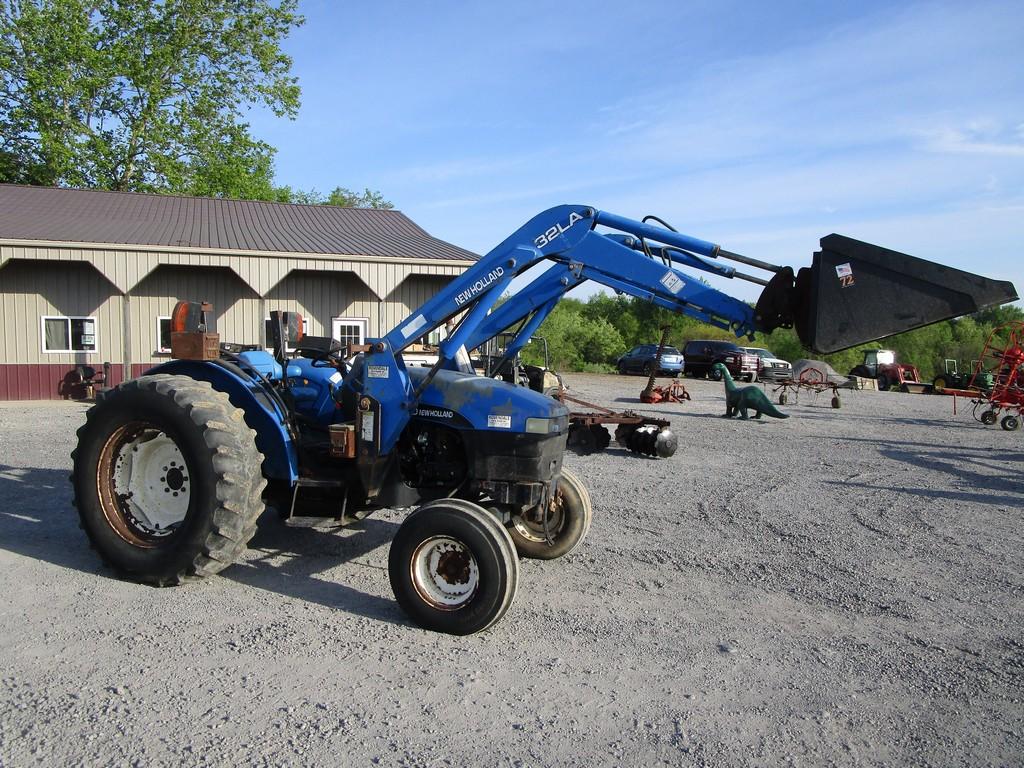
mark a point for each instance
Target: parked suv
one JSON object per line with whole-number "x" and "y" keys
{"x": 772, "y": 367}
{"x": 701, "y": 354}
{"x": 641, "y": 360}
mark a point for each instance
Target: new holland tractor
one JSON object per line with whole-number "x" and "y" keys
{"x": 173, "y": 469}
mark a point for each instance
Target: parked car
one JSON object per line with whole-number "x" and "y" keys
{"x": 701, "y": 354}
{"x": 641, "y": 360}
{"x": 771, "y": 366}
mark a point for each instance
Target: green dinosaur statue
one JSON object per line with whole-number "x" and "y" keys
{"x": 739, "y": 401}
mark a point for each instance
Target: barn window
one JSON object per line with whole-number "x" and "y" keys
{"x": 163, "y": 334}
{"x": 69, "y": 334}
{"x": 349, "y": 330}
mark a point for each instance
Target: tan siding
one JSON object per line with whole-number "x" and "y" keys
{"x": 411, "y": 294}
{"x": 65, "y": 280}
{"x": 319, "y": 296}
{"x": 235, "y": 305}
{"x": 31, "y": 290}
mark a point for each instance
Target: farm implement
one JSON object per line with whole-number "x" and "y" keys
{"x": 810, "y": 378}
{"x": 1003, "y": 357}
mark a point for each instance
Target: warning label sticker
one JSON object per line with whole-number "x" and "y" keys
{"x": 377, "y": 371}
{"x": 498, "y": 421}
{"x": 672, "y": 281}
{"x": 413, "y": 325}
{"x": 366, "y": 423}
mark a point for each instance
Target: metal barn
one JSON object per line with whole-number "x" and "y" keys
{"x": 90, "y": 277}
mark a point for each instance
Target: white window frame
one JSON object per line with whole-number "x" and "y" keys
{"x": 305, "y": 331}
{"x": 159, "y": 349}
{"x": 69, "y": 318}
{"x": 362, "y": 322}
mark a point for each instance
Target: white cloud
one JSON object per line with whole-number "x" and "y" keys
{"x": 974, "y": 139}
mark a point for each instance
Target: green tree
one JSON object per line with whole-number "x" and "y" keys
{"x": 143, "y": 96}
{"x": 577, "y": 342}
{"x": 339, "y": 196}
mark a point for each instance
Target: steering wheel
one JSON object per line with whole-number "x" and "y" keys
{"x": 324, "y": 358}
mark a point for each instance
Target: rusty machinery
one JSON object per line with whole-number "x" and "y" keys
{"x": 640, "y": 434}
{"x": 810, "y": 379}
{"x": 1004, "y": 355}
{"x": 675, "y": 392}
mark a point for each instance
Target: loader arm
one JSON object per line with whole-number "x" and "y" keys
{"x": 852, "y": 293}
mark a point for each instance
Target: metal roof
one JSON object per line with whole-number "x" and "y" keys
{"x": 129, "y": 218}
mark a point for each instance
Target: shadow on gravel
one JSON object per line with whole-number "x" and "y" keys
{"x": 995, "y": 484}
{"x": 38, "y": 521}
{"x": 893, "y": 420}
{"x": 308, "y": 552}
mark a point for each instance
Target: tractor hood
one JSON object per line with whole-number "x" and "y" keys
{"x": 487, "y": 404}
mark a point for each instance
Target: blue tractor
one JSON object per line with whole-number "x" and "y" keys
{"x": 173, "y": 469}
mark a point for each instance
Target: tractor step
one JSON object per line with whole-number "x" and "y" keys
{"x": 305, "y": 521}
{"x": 319, "y": 521}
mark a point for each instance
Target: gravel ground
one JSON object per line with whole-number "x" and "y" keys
{"x": 839, "y": 588}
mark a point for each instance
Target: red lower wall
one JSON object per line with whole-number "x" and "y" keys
{"x": 53, "y": 382}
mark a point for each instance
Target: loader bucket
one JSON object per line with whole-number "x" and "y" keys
{"x": 856, "y": 292}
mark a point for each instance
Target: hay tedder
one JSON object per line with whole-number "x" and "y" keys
{"x": 1003, "y": 358}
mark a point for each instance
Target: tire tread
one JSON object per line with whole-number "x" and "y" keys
{"x": 235, "y": 460}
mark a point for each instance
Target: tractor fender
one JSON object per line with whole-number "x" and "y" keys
{"x": 262, "y": 411}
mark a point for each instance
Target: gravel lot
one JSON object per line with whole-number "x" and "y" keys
{"x": 842, "y": 587}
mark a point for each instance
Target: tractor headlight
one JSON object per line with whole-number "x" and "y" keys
{"x": 542, "y": 426}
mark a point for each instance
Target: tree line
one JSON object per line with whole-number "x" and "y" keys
{"x": 590, "y": 335}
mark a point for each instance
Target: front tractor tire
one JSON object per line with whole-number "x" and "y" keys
{"x": 567, "y": 524}
{"x": 453, "y": 567}
{"x": 167, "y": 479}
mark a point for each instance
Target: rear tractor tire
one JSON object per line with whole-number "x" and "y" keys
{"x": 567, "y": 525}
{"x": 167, "y": 479}
{"x": 453, "y": 567}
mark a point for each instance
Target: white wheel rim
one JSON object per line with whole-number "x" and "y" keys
{"x": 152, "y": 482}
{"x": 445, "y": 573}
{"x": 533, "y": 530}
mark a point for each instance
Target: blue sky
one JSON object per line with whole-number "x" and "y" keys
{"x": 759, "y": 126}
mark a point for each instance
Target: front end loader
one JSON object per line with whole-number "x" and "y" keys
{"x": 172, "y": 470}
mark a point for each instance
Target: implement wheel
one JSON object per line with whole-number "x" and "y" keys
{"x": 1010, "y": 423}
{"x": 453, "y": 567}
{"x": 988, "y": 418}
{"x": 581, "y": 439}
{"x": 567, "y": 524}
{"x": 167, "y": 479}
